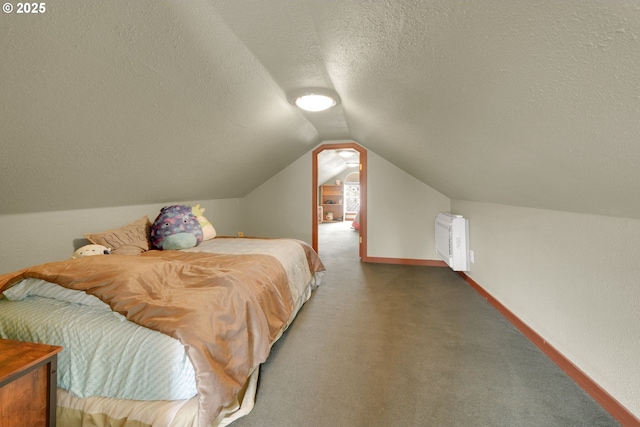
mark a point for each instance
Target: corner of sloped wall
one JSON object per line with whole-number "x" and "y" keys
{"x": 280, "y": 207}
{"x": 401, "y": 213}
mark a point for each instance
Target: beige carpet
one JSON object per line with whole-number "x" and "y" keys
{"x": 386, "y": 345}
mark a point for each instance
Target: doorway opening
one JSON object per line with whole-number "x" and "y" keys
{"x": 338, "y": 199}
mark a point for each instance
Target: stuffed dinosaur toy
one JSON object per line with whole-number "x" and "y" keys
{"x": 176, "y": 227}
{"x": 208, "y": 231}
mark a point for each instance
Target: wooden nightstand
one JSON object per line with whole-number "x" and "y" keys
{"x": 27, "y": 384}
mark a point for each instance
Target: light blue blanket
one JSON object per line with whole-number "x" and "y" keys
{"x": 90, "y": 360}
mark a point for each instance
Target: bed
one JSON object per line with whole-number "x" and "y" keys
{"x": 165, "y": 338}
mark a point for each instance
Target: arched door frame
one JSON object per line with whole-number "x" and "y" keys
{"x": 363, "y": 193}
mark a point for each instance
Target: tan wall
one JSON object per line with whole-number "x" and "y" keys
{"x": 35, "y": 238}
{"x": 573, "y": 278}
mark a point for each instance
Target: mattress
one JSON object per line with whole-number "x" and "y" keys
{"x": 287, "y": 251}
{"x": 102, "y": 351}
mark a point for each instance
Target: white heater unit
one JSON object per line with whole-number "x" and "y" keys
{"x": 452, "y": 240}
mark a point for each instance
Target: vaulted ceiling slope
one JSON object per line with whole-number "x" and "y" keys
{"x": 519, "y": 102}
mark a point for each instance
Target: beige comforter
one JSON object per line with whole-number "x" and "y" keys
{"x": 225, "y": 309}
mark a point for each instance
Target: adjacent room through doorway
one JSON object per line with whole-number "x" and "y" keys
{"x": 339, "y": 194}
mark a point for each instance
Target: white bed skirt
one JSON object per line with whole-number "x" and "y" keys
{"x": 74, "y": 411}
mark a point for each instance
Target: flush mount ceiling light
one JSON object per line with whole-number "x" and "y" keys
{"x": 346, "y": 153}
{"x": 314, "y": 99}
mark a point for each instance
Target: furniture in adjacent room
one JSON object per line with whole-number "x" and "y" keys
{"x": 332, "y": 200}
{"x": 28, "y": 384}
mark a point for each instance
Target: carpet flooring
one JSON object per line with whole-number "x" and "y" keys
{"x": 408, "y": 346}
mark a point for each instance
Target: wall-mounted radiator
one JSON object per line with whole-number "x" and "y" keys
{"x": 452, "y": 240}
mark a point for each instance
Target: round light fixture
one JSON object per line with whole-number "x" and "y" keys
{"x": 346, "y": 153}
{"x": 313, "y": 102}
{"x": 314, "y": 99}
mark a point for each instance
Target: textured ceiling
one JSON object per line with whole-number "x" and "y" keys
{"x": 519, "y": 102}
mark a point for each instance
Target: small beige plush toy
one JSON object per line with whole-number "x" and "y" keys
{"x": 90, "y": 250}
